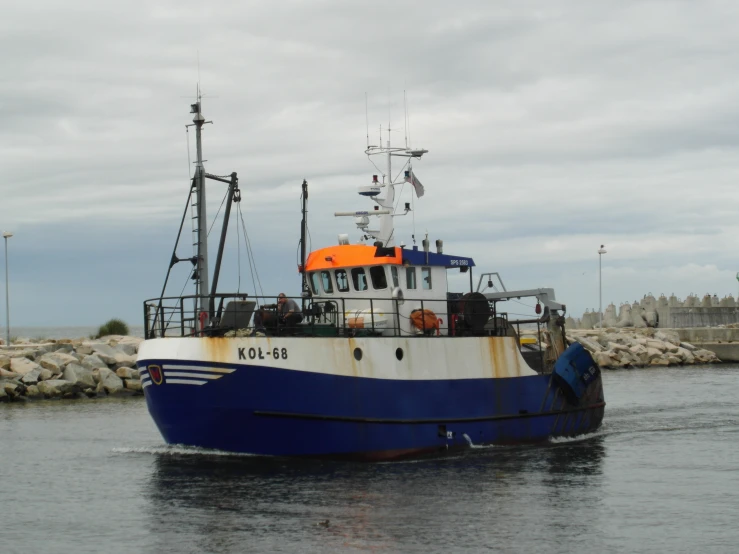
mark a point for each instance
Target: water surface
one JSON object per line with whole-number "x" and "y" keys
{"x": 661, "y": 476}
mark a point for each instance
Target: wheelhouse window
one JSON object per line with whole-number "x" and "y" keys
{"x": 314, "y": 282}
{"x": 342, "y": 281}
{"x": 379, "y": 279}
{"x": 426, "y": 278}
{"x": 394, "y": 273}
{"x": 328, "y": 285}
{"x": 359, "y": 279}
{"x": 410, "y": 277}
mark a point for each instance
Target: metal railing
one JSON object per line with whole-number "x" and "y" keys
{"x": 235, "y": 313}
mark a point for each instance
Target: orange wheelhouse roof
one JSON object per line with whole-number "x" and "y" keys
{"x": 350, "y": 255}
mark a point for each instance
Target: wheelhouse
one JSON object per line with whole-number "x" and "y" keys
{"x": 356, "y": 273}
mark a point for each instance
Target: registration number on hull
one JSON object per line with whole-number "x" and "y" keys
{"x": 259, "y": 353}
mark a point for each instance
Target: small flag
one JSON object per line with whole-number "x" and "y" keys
{"x": 411, "y": 178}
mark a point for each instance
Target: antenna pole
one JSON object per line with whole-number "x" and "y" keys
{"x": 366, "y": 118}
{"x": 405, "y": 119}
{"x": 201, "y": 283}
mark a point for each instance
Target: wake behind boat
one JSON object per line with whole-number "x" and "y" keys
{"x": 375, "y": 360}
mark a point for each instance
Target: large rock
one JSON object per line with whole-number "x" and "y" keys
{"x": 657, "y": 344}
{"x": 133, "y": 384}
{"x": 128, "y": 348}
{"x": 105, "y": 352}
{"x": 640, "y": 352}
{"x": 129, "y": 361}
{"x": 32, "y": 391}
{"x": 21, "y": 366}
{"x": 603, "y": 360}
{"x": 113, "y": 356}
{"x": 4, "y": 362}
{"x": 670, "y": 336}
{"x": 589, "y": 345}
{"x": 93, "y": 361}
{"x": 26, "y": 353}
{"x": 136, "y": 341}
{"x": 705, "y": 356}
{"x": 616, "y": 347}
{"x": 57, "y": 361}
{"x": 56, "y": 387}
{"x": 83, "y": 350}
{"x": 653, "y": 354}
{"x": 685, "y": 355}
{"x": 80, "y": 376}
{"x": 109, "y": 381}
{"x": 32, "y": 377}
{"x": 42, "y": 349}
{"x": 688, "y": 346}
{"x": 12, "y": 389}
{"x": 124, "y": 372}
{"x": 45, "y": 374}
{"x": 5, "y": 374}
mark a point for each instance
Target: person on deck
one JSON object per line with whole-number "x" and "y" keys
{"x": 288, "y": 311}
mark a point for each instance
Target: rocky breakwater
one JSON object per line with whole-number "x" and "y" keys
{"x": 613, "y": 348}
{"x": 68, "y": 368}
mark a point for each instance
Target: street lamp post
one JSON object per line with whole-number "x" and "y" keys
{"x": 601, "y": 251}
{"x": 6, "y": 236}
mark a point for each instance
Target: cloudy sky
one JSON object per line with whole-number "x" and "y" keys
{"x": 552, "y": 127}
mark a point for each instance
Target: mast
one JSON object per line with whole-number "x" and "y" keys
{"x": 303, "y": 233}
{"x": 201, "y": 281}
{"x": 386, "y": 220}
{"x": 385, "y": 209}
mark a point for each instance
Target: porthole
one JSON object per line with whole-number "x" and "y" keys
{"x": 357, "y": 354}
{"x": 399, "y": 353}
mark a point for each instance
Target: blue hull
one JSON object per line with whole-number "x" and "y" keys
{"x": 277, "y": 412}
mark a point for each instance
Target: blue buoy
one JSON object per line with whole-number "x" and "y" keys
{"x": 574, "y": 370}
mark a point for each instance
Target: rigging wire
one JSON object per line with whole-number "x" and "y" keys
{"x": 380, "y": 171}
{"x": 171, "y": 314}
{"x": 219, "y": 211}
{"x": 400, "y": 194}
{"x": 402, "y": 169}
{"x": 522, "y": 304}
{"x": 250, "y": 255}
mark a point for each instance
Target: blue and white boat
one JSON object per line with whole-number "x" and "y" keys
{"x": 385, "y": 363}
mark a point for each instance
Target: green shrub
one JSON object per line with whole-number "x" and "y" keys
{"x": 112, "y": 327}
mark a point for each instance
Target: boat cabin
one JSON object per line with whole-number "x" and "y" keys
{"x": 378, "y": 288}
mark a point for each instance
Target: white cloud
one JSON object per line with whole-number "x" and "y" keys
{"x": 553, "y": 127}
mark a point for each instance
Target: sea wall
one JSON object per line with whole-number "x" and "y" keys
{"x": 69, "y": 368}
{"x": 614, "y": 348}
{"x": 663, "y": 312}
